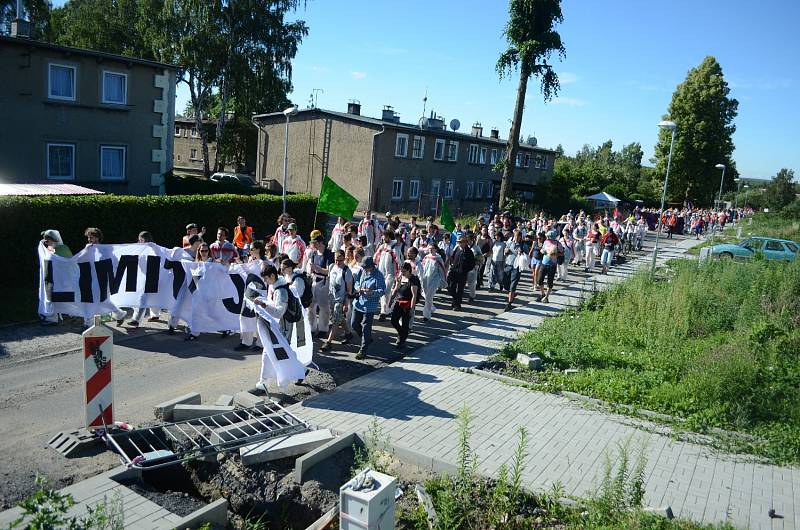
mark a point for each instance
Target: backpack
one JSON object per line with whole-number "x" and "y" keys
{"x": 307, "y": 297}
{"x": 294, "y": 313}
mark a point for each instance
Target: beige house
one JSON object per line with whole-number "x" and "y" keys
{"x": 389, "y": 165}
{"x": 91, "y": 118}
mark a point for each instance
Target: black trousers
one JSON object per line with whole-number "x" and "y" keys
{"x": 455, "y": 286}
{"x": 481, "y": 272}
{"x": 401, "y": 320}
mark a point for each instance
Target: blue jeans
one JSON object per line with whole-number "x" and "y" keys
{"x": 362, "y": 325}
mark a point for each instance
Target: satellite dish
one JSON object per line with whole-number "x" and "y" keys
{"x": 455, "y": 124}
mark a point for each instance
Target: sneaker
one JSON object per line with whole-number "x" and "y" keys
{"x": 120, "y": 321}
{"x": 546, "y": 299}
{"x": 241, "y": 347}
{"x": 508, "y": 306}
{"x": 347, "y": 338}
{"x": 399, "y": 343}
{"x": 362, "y": 353}
{"x": 262, "y": 386}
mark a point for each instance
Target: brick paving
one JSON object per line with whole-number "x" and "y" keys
{"x": 417, "y": 399}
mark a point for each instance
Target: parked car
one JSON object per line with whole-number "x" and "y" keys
{"x": 244, "y": 180}
{"x": 772, "y": 248}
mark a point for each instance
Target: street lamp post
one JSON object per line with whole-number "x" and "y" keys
{"x": 719, "y": 196}
{"x": 746, "y": 191}
{"x": 291, "y": 111}
{"x": 738, "y": 181}
{"x": 669, "y": 125}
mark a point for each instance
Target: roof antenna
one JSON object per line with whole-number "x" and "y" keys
{"x": 424, "y": 104}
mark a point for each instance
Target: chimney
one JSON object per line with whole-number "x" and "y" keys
{"x": 494, "y": 134}
{"x": 354, "y": 107}
{"x": 389, "y": 114}
{"x": 477, "y": 129}
{"x": 20, "y": 27}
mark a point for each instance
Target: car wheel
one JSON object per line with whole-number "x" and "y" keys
{"x": 726, "y": 255}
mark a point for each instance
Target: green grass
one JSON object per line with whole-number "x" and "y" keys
{"x": 717, "y": 345}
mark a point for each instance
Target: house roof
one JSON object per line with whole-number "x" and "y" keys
{"x": 45, "y": 189}
{"x": 31, "y": 43}
{"x": 602, "y": 196}
{"x": 376, "y": 123}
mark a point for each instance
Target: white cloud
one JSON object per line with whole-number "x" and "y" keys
{"x": 572, "y": 102}
{"x": 358, "y": 75}
{"x": 321, "y": 69}
{"x": 566, "y": 78}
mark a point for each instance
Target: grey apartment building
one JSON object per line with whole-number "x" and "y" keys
{"x": 89, "y": 118}
{"x": 389, "y": 165}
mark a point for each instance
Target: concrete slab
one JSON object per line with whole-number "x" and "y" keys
{"x": 215, "y": 513}
{"x": 224, "y": 399}
{"x": 315, "y": 456}
{"x": 284, "y": 446}
{"x": 246, "y": 399}
{"x": 183, "y": 412}
{"x": 163, "y": 411}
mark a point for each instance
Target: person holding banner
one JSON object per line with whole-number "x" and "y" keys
{"x": 94, "y": 236}
{"x": 138, "y": 314}
{"x": 55, "y": 246}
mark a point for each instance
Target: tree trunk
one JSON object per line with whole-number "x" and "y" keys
{"x": 512, "y": 147}
{"x": 198, "y": 95}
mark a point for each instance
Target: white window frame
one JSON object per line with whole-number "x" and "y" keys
{"x": 526, "y": 160}
{"x": 544, "y": 162}
{"x": 493, "y": 157}
{"x": 518, "y": 161}
{"x": 74, "y": 69}
{"x": 436, "y": 184}
{"x": 104, "y": 100}
{"x": 397, "y": 153}
{"x": 193, "y": 154}
{"x": 439, "y": 142}
{"x": 421, "y": 147}
{"x": 472, "y": 155}
{"x": 537, "y": 161}
{"x": 413, "y": 188}
{"x": 72, "y": 164}
{"x": 177, "y": 130}
{"x": 193, "y": 132}
{"x": 449, "y": 188}
{"x": 124, "y": 162}
{"x": 452, "y": 148}
{"x": 397, "y": 196}
{"x": 482, "y": 156}
{"x": 469, "y": 190}
{"x": 479, "y": 190}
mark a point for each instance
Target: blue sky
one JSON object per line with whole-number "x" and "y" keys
{"x": 624, "y": 60}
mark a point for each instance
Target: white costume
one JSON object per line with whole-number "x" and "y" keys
{"x": 433, "y": 275}
{"x": 388, "y": 264}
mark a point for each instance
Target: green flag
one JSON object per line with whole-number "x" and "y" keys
{"x": 446, "y": 218}
{"x": 334, "y": 200}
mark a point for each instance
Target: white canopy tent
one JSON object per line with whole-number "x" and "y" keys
{"x": 603, "y": 200}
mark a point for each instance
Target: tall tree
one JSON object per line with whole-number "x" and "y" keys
{"x": 532, "y": 40}
{"x": 780, "y": 191}
{"x": 704, "y": 114}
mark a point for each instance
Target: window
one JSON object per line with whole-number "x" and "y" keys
{"x": 61, "y": 82}
{"x": 472, "y": 158}
{"x": 61, "y": 161}
{"x": 418, "y": 149}
{"x": 478, "y": 190}
{"x": 413, "y": 189}
{"x": 753, "y": 244}
{"x": 792, "y": 247}
{"x": 438, "y": 149}
{"x": 401, "y": 145}
{"x": 449, "y": 187}
{"x": 774, "y": 245}
{"x": 452, "y": 151}
{"x": 179, "y": 158}
{"x": 193, "y": 154}
{"x": 177, "y": 130}
{"x": 468, "y": 191}
{"x": 112, "y": 162}
{"x": 397, "y": 189}
{"x": 526, "y": 160}
{"x": 537, "y": 162}
{"x": 482, "y": 158}
{"x": 193, "y": 134}
{"x": 493, "y": 159}
{"x": 435, "y": 188}
{"x": 115, "y": 88}
{"x": 544, "y": 162}
{"x": 519, "y": 160}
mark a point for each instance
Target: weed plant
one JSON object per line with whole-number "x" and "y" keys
{"x": 717, "y": 344}
{"x": 375, "y": 454}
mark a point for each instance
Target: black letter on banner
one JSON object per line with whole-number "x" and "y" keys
{"x": 128, "y": 266}
{"x": 152, "y": 273}
{"x": 55, "y": 296}
{"x": 230, "y": 305}
{"x": 178, "y": 276}
{"x": 85, "y": 282}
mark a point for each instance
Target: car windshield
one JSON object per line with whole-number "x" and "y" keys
{"x": 246, "y": 180}
{"x": 792, "y": 247}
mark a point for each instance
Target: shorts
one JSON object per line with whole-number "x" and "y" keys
{"x": 608, "y": 255}
{"x": 547, "y": 271}
{"x": 535, "y": 262}
{"x": 337, "y": 312}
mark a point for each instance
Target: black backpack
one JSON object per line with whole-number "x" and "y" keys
{"x": 294, "y": 313}
{"x": 307, "y": 297}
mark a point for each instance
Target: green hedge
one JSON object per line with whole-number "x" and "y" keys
{"x": 122, "y": 217}
{"x": 177, "y": 185}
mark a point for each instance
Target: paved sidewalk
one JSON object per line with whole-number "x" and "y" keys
{"x": 416, "y": 402}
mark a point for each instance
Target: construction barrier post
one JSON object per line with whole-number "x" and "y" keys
{"x": 98, "y": 350}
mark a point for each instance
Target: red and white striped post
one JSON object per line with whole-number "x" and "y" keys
{"x": 98, "y": 349}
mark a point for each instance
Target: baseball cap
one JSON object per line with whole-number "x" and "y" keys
{"x": 190, "y": 226}
{"x": 292, "y": 226}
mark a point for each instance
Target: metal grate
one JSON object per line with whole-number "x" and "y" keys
{"x": 172, "y": 443}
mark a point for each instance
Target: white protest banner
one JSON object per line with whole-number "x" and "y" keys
{"x": 101, "y": 279}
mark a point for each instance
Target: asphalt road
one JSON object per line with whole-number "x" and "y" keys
{"x": 42, "y": 393}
